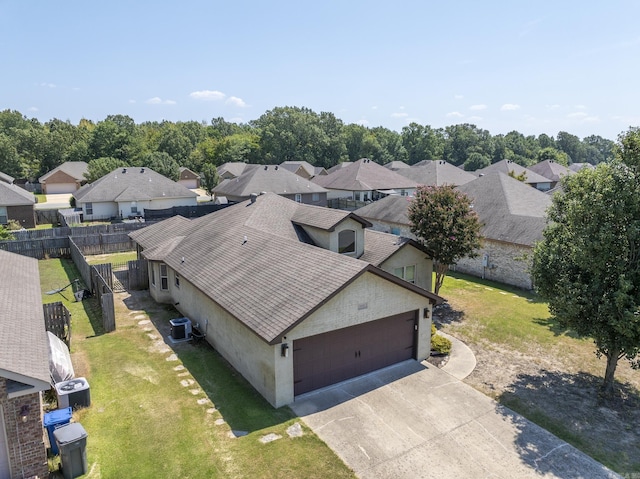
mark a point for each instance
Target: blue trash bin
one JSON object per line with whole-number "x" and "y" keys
{"x": 53, "y": 420}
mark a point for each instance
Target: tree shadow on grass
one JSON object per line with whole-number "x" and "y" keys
{"x": 569, "y": 406}
{"x": 445, "y": 314}
{"x": 241, "y": 406}
{"x": 556, "y": 327}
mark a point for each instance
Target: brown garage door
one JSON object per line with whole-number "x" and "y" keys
{"x": 332, "y": 357}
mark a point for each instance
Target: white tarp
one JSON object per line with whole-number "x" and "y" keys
{"x": 60, "y": 366}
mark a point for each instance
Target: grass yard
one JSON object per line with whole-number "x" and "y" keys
{"x": 529, "y": 363}
{"x": 174, "y": 411}
{"x": 112, "y": 258}
{"x": 41, "y": 198}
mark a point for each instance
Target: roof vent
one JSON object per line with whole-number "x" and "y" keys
{"x": 266, "y": 167}
{"x": 253, "y": 197}
{"x": 276, "y": 167}
{"x": 124, "y": 170}
{"x": 141, "y": 170}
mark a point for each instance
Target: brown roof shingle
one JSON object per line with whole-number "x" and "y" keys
{"x": 364, "y": 175}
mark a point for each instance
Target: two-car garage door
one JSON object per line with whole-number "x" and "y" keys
{"x": 338, "y": 355}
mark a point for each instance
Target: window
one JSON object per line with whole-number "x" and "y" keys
{"x": 153, "y": 273}
{"x": 88, "y": 207}
{"x": 3, "y": 215}
{"x": 177, "y": 280}
{"x": 403, "y": 193}
{"x": 347, "y": 242}
{"x": 298, "y": 198}
{"x": 356, "y": 195}
{"x": 134, "y": 207}
{"x": 164, "y": 277}
{"x": 315, "y": 197}
{"x": 408, "y": 273}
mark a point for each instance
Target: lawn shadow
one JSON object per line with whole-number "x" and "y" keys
{"x": 241, "y": 406}
{"x": 556, "y": 327}
{"x": 444, "y": 314}
{"x": 530, "y": 296}
{"x": 570, "y": 406}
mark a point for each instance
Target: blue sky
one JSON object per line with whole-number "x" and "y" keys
{"x": 535, "y": 67}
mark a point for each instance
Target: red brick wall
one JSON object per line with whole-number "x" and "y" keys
{"x": 25, "y": 440}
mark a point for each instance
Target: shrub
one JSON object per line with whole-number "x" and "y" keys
{"x": 13, "y": 225}
{"x": 439, "y": 344}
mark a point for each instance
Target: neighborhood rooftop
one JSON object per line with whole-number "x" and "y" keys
{"x": 13, "y": 195}
{"x": 364, "y": 175}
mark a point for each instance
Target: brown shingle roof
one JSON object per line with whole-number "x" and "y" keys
{"x": 380, "y": 246}
{"x": 75, "y": 169}
{"x": 24, "y": 354}
{"x": 364, "y": 175}
{"x": 437, "y": 173}
{"x": 249, "y": 260}
{"x": 507, "y": 166}
{"x": 391, "y": 209}
{"x": 552, "y": 170}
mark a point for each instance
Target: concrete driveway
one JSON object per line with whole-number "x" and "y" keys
{"x": 414, "y": 420}
{"x": 55, "y": 201}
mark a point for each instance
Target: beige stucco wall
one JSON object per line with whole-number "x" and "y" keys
{"x": 368, "y": 298}
{"x": 409, "y": 255}
{"x": 329, "y": 239}
{"x": 507, "y": 263}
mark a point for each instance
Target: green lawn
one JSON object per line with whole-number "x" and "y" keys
{"x": 112, "y": 258}
{"x": 144, "y": 423}
{"x": 41, "y": 198}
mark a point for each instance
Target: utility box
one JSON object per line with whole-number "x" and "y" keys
{"x": 52, "y": 421}
{"x": 74, "y": 393}
{"x": 72, "y": 443}
{"x": 180, "y": 328}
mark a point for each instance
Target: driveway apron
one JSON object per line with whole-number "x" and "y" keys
{"x": 413, "y": 420}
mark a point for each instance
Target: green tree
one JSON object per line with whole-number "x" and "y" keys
{"x": 422, "y": 143}
{"x": 588, "y": 264}
{"x": 445, "y": 224}
{"x": 628, "y": 147}
{"x": 572, "y": 146}
{"x": 554, "y": 155}
{"x": 5, "y": 234}
{"x": 101, "y": 166}
{"x": 210, "y": 178}
{"x": 476, "y": 161}
{"x": 162, "y": 163}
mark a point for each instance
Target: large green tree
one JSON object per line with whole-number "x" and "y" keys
{"x": 162, "y": 163}
{"x": 101, "y": 166}
{"x": 588, "y": 264}
{"x": 445, "y": 224}
{"x": 210, "y": 178}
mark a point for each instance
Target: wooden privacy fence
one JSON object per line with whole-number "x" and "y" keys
{"x": 104, "y": 243}
{"x": 138, "y": 272}
{"x": 102, "y": 290}
{"x": 78, "y": 231}
{"x": 57, "y": 319}
{"x": 39, "y": 248}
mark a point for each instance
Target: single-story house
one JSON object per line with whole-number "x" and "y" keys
{"x": 189, "y": 179}
{"x": 339, "y": 166}
{"x": 396, "y": 165}
{"x": 365, "y": 180}
{"x": 257, "y": 179}
{"x": 127, "y": 192}
{"x": 510, "y": 167}
{"x": 303, "y": 168}
{"x": 437, "y": 173}
{"x": 513, "y": 216}
{"x": 578, "y": 166}
{"x": 66, "y": 178}
{"x": 24, "y": 368}
{"x": 295, "y": 297}
{"x": 552, "y": 170}
{"x": 17, "y": 204}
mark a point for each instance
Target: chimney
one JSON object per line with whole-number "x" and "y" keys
{"x": 253, "y": 197}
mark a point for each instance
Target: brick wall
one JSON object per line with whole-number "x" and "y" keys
{"x": 25, "y": 440}
{"x": 25, "y": 215}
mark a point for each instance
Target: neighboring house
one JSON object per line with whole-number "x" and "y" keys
{"x": 231, "y": 170}
{"x": 437, "y": 173}
{"x": 189, "y": 179}
{"x": 66, "y": 178}
{"x": 512, "y": 214}
{"x": 510, "y": 167}
{"x": 578, "y": 166}
{"x": 551, "y": 170}
{"x": 303, "y": 168}
{"x": 127, "y": 192}
{"x": 17, "y": 204}
{"x": 6, "y": 178}
{"x": 295, "y": 297}
{"x": 257, "y": 179}
{"x": 339, "y": 166}
{"x": 24, "y": 368}
{"x": 396, "y": 165}
{"x": 365, "y": 180}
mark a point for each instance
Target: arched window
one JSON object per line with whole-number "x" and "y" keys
{"x": 347, "y": 241}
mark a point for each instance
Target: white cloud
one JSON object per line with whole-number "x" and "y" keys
{"x": 458, "y": 97}
{"x": 362, "y": 122}
{"x": 156, "y": 100}
{"x": 236, "y": 120}
{"x": 478, "y": 107}
{"x": 207, "y": 95}
{"x": 33, "y": 108}
{"x": 48, "y": 85}
{"x": 234, "y": 100}
{"x": 509, "y": 107}
{"x": 579, "y": 115}
{"x": 399, "y": 115}
{"x": 580, "y": 107}
{"x": 374, "y": 107}
{"x": 455, "y": 114}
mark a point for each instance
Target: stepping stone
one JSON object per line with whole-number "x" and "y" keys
{"x": 141, "y": 316}
{"x": 195, "y": 391}
{"x": 187, "y": 382}
{"x": 172, "y": 357}
{"x": 295, "y": 430}
{"x": 148, "y": 329}
{"x": 219, "y": 422}
{"x": 234, "y": 434}
{"x": 202, "y": 401}
{"x": 152, "y": 336}
{"x": 502, "y": 292}
{"x": 179, "y": 367}
{"x": 186, "y": 373}
{"x": 270, "y": 438}
{"x": 144, "y": 321}
{"x": 211, "y": 410}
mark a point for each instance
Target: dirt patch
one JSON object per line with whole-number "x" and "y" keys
{"x": 556, "y": 394}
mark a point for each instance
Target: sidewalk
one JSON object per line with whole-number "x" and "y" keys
{"x": 461, "y": 361}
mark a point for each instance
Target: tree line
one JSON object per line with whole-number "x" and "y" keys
{"x": 29, "y": 149}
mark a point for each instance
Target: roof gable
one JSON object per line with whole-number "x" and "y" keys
{"x": 508, "y": 166}
{"x": 13, "y": 195}
{"x": 437, "y": 173}
{"x": 266, "y": 178}
{"x": 74, "y": 169}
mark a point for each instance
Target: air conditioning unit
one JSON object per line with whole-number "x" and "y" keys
{"x": 74, "y": 393}
{"x": 180, "y": 328}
